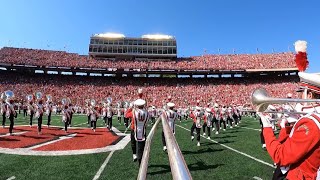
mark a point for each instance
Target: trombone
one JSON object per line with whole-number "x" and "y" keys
{"x": 262, "y": 100}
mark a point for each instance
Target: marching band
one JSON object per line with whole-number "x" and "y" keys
{"x": 295, "y": 129}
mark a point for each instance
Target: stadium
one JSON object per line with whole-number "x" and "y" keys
{"x": 114, "y": 69}
{"x": 158, "y": 90}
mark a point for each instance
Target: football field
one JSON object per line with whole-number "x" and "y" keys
{"x": 233, "y": 154}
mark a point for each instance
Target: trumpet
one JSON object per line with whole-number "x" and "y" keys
{"x": 262, "y": 100}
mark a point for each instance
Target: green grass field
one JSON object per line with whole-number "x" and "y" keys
{"x": 211, "y": 160}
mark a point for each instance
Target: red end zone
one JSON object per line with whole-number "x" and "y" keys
{"x": 54, "y": 139}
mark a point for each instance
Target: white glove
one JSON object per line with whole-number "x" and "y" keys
{"x": 283, "y": 123}
{"x": 265, "y": 119}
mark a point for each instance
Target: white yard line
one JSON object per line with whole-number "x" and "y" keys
{"x": 51, "y": 142}
{"x": 17, "y": 133}
{"x": 103, "y": 166}
{"x": 230, "y": 148}
{"x": 11, "y": 178}
{"x": 251, "y": 128}
{"x": 257, "y": 178}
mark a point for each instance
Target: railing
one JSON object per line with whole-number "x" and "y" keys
{"x": 179, "y": 168}
{"x": 145, "y": 158}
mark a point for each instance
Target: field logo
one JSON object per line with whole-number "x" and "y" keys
{"x": 54, "y": 141}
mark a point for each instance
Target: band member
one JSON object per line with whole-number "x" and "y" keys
{"x": 171, "y": 117}
{"x": 139, "y": 118}
{"x": 153, "y": 114}
{"x": 230, "y": 119}
{"x": 48, "y": 112}
{"x": 3, "y": 109}
{"x": 39, "y": 115}
{"x": 125, "y": 119}
{"x": 297, "y": 152}
{"x": 197, "y": 119}
{"x": 94, "y": 114}
{"x": 25, "y": 108}
{"x": 207, "y": 117}
{"x": 261, "y": 134}
{"x": 235, "y": 112}
{"x": 183, "y": 113}
{"x": 119, "y": 113}
{"x": 216, "y": 118}
{"x": 179, "y": 114}
{"x": 223, "y": 118}
{"x": 10, "y": 112}
{"x": 109, "y": 116}
{"x": 193, "y": 127}
{"x": 65, "y": 116}
{"x": 94, "y": 117}
{"x": 31, "y": 111}
{"x": 88, "y": 112}
{"x": 104, "y": 113}
{"x": 71, "y": 112}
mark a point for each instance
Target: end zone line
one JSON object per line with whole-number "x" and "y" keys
{"x": 230, "y": 148}
{"x": 54, "y": 141}
{"x": 103, "y": 166}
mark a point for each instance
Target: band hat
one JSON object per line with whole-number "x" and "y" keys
{"x": 309, "y": 81}
{"x": 208, "y": 109}
{"x": 170, "y": 104}
{"x": 289, "y": 95}
{"x": 139, "y": 102}
{"x": 198, "y": 108}
{"x": 271, "y": 108}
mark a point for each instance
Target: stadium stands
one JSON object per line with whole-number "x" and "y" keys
{"x": 22, "y": 56}
{"x": 183, "y": 91}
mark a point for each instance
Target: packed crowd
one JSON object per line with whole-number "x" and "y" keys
{"x": 184, "y": 92}
{"x": 22, "y": 56}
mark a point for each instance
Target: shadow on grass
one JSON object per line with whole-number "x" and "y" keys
{"x": 205, "y": 150}
{"x": 164, "y": 169}
{"x": 225, "y": 142}
{"x": 192, "y": 167}
{"x": 227, "y": 136}
{"x": 200, "y": 165}
{"x": 230, "y": 132}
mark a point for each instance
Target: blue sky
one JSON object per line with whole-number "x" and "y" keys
{"x": 198, "y": 25}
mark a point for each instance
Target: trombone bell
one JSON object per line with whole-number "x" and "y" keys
{"x": 261, "y": 99}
